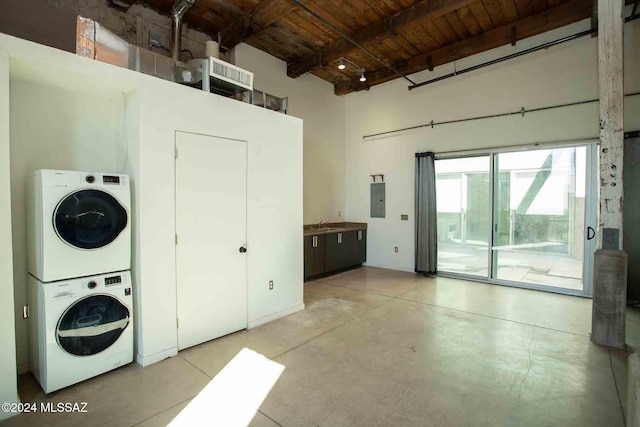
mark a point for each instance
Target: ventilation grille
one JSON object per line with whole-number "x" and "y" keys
{"x": 231, "y": 74}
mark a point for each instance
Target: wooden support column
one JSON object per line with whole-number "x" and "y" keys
{"x": 610, "y": 262}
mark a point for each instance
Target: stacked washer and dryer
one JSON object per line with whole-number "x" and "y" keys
{"x": 79, "y": 254}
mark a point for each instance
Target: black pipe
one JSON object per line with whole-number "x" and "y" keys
{"x": 350, "y": 40}
{"x": 520, "y": 112}
{"x": 504, "y": 58}
{"x": 425, "y": 154}
{"x": 632, "y": 134}
{"x": 633, "y": 17}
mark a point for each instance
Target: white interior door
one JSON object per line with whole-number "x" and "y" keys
{"x": 211, "y": 234}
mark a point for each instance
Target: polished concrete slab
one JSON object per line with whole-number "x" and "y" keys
{"x": 381, "y": 347}
{"x": 406, "y": 363}
{"x": 122, "y": 397}
{"x": 543, "y": 309}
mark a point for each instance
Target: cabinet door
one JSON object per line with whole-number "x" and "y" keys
{"x": 332, "y": 252}
{"x": 308, "y": 256}
{"x": 318, "y": 255}
{"x": 349, "y": 249}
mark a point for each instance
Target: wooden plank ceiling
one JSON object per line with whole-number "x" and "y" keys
{"x": 408, "y": 35}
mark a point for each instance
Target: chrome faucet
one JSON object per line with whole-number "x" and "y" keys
{"x": 319, "y": 225}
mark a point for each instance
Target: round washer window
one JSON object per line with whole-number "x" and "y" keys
{"x": 89, "y": 219}
{"x": 92, "y": 325}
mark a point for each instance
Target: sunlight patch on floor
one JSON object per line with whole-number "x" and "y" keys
{"x": 233, "y": 397}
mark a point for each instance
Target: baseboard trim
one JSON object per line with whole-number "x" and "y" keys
{"x": 157, "y": 357}
{"x": 274, "y": 316}
{"x": 390, "y": 267}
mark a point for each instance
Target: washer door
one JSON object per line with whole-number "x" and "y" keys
{"x": 91, "y": 325}
{"x": 89, "y": 219}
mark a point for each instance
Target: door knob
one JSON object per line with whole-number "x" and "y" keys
{"x": 243, "y": 249}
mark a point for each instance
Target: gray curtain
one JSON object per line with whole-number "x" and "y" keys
{"x": 426, "y": 217}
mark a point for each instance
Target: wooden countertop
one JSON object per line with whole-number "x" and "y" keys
{"x": 333, "y": 227}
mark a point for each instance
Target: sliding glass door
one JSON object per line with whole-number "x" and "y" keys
{"x": 463, "y": 192}
{"x": 518, "y": 218}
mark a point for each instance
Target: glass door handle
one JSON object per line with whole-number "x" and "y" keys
{"x": 591, "y": 233}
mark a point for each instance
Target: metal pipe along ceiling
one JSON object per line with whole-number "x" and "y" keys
{"x": 504, "y": 58}
{"x": 633, "y": 17}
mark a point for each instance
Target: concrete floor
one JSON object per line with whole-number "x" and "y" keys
{"x": 378, "y": 347}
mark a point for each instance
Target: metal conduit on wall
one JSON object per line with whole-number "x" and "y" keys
{"x": 520, "y": 112}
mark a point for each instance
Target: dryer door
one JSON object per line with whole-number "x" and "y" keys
{"x": 89, "y": 219}
{"x": 92, "y": 324}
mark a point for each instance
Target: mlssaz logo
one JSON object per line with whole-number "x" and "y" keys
{"x": 63, "y": 407}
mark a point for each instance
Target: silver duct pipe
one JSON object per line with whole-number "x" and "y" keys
{"x": 178, "y": 10}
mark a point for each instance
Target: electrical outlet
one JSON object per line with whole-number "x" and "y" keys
{"x": 395, "y": 249}
{"x": 270, "y": 285}
{"x": 339, "y": 213}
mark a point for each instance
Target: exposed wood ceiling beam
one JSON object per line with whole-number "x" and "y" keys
{"x": 378, "y": 31}
{"x": 556, "y": 17}
{"x": 260, "y": 17}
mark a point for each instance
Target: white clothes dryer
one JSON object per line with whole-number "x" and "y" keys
{"x": 79, "y": 328}
{"x": 78, "y": 224}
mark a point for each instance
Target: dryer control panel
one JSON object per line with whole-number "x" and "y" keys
{"x": 111, "y": 179}
{"x": 113, "y": 280}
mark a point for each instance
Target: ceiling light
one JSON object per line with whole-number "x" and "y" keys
{"x": 341, "y": 65}
{"x": 362, "y": 77}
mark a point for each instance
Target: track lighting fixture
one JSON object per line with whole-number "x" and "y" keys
{"x": 342, "y": 64}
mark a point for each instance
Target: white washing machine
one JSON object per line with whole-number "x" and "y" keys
{"x": 79, "y": 328}
{"x": 78, "y": 224}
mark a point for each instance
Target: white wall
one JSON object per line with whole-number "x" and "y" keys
{"x": 312, "y": 100}
{"x": 132, "y": 117}
{"x": 93, "y": 116}
{"x": 561, "y": 74}
{"x": 274, "y": 205}
{"x": 8, "y": 391}
{"x": 54, "y": 127}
